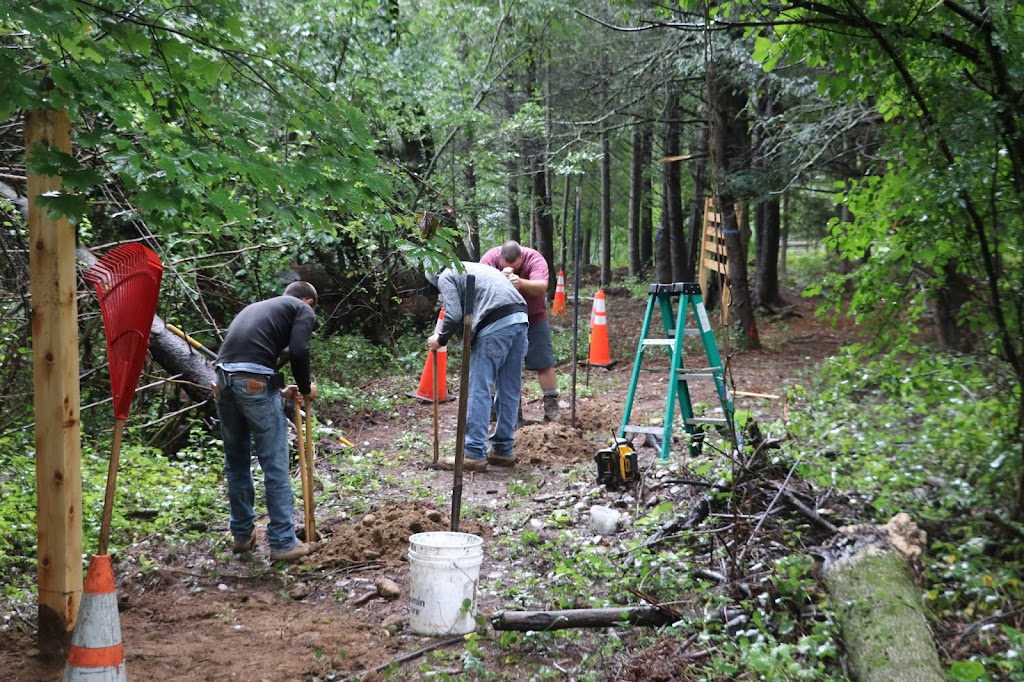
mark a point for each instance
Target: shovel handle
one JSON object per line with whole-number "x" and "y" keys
{"x": 301, "y": 447}
{"x": 460, "y": 436}
{"x": 437, "y": 435}
{"x": 108, "y": 497}
{"x": 308, "y": 499}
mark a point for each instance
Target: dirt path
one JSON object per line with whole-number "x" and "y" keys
{"x": 207, "y": 615}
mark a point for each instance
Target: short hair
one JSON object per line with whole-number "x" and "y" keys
{"x": 510, "y": 251}
{"x": 301, "y": 289}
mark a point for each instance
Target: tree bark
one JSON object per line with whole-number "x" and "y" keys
{"x": 700, "y": 189}
{"x": 512, "y": 187}
{"x": 669, "y": 174}
{"x": 730, "y": 152}
{"x": 878, "y": 605}
{"x": 606, "y": 210}
{"x": 647, "y": 202}
{"x": 472, "y": 216}
{"x": 636, "y": 170}
{"x": 767, "y": 226}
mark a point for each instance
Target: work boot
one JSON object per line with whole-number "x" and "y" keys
{"x": 468, "y": 463}
{"x": 551, "y": 408}
{"x": 243, "y": 546}
{"x": 300, "y": 550}
{"x": 500, "y": 459}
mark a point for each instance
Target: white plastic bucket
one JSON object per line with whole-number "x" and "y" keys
{"x": 444, "y": 568}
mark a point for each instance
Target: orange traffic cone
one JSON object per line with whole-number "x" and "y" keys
{"x": 600, "y": 356}
{"x": 425, "y": 392}
{"x": 558, "y": 305}
{"x": 96, "y": 653}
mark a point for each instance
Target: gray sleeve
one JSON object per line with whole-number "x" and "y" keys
{"x": 447, "y": 284}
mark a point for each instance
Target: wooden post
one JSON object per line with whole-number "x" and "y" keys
{"x": 55, "y": 375}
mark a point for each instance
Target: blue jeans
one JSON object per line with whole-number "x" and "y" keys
{"x": 496, "y": 360}
{"x": 252, "y": 420}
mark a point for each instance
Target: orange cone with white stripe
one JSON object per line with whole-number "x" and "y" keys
{"x": 558, "y": 305}
{"x": 425, "y": 392}
{"x": 96, "y": 653}
{"x": 600, "y": 354}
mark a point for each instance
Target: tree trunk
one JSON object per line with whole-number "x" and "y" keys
{"x": 949, "y": 299}
{"x": 670, "y": 147}
{"x": 472, "y": 217}
{"x": 673, "y": 190}
{"x": 729, "y": 147}
{"x": 700, "y": 189}
{"x": 878, "y": 605}
{"x": 767, "y": 226}
{"x": 512, "y": 187}
{"x": 636, "y": 170}
{"x": 545, "y": 239}
{"x": 647, "y": 202}
{"x": 606, "y": 210}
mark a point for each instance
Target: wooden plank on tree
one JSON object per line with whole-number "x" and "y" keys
{"x": 716, "y": 266}
{"x": 712, "y": 258}
{"x": 56, "y": 400}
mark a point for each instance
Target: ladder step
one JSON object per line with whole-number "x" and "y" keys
{"x": 653, "y": 430}
{"x": 706, "y": 420}
{"x": 686, "y": 376}
{"x": 659, "y": 342}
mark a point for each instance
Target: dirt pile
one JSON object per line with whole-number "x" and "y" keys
{"x": 381, "y": 536}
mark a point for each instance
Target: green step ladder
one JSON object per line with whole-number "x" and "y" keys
{"x": 673, "y": 301}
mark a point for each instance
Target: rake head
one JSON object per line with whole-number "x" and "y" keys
{"x": 127, "y": 281}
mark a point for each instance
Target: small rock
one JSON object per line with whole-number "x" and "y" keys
{"x": 299, "y": 591}
{"x": 435, "y": 516}
{"x": 603, "y": 520}
{"x": 393, "y": 624}
{"x": 387, "y": 588}
{"x": 369, "y": 520}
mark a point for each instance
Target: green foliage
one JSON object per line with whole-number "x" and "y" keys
{"x": 155, "y": 496}
{"x": 932, "y": 435}
{"x": 353, "y": 360}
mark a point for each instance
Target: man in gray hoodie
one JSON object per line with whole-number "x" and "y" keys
{"x": 496, "y": 359}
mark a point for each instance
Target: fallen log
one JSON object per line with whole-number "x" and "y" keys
{"x": 523, "y": 621}
{"x": 877, "y": 604}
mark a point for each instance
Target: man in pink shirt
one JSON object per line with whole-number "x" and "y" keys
{"x": 527, "y": 270}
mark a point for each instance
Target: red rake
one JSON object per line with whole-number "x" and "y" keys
{"x": 127, "y": 282}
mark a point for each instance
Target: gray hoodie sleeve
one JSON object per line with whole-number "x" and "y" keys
{"x": 448, "y": 285}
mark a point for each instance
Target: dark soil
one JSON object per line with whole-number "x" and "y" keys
{"x": 207, "y": 615}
